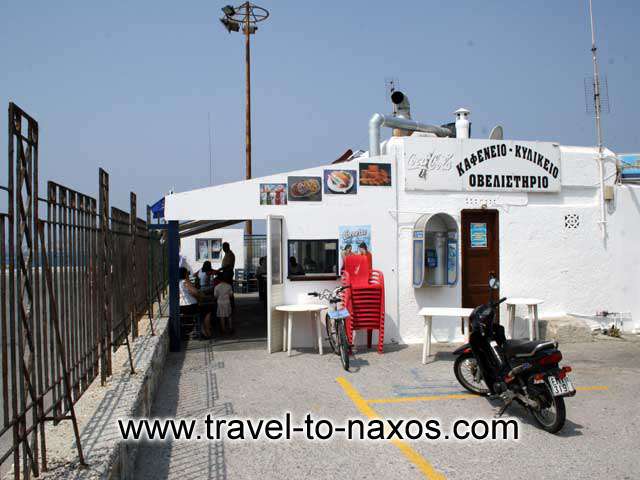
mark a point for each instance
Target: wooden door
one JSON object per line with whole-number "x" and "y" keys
{"x": 480, "y": 255}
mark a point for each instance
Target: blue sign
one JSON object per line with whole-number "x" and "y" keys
{"x": 478, "y": 235}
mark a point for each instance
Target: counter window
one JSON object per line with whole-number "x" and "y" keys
{"x": 435, "y": 251}
{"x": 312, "y": 258}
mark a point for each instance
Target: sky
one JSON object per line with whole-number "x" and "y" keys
{"x": 129, "y": 86}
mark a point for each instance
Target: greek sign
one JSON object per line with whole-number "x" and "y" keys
{"x": 482, "y": 165}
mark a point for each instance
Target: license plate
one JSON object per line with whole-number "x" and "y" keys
{"x": 342, "y": 313}
{"x": 559, "y": 387}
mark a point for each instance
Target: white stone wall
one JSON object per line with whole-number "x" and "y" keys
{"x": 573, "y": 270}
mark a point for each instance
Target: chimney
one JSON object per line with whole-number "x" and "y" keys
{"x": 463, "y": 126}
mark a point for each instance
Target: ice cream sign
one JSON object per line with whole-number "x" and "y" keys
{"x": 482, "y": 165}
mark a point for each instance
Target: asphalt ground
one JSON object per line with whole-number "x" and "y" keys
{"x": 599, "y": 440}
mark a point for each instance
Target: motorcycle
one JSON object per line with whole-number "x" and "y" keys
{"x": 524, "y": 371}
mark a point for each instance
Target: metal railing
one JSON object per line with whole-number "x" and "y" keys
{"x": 76, "y": 278}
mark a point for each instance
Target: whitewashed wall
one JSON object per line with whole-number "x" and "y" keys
{"x": 235, "y": 237}
{"x": 574, "y": 271}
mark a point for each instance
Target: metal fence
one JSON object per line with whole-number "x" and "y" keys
{"x": 76, "y": 277}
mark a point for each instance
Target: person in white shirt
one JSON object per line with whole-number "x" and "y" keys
{"x": 223, "y": 294}
{"x": 189, "y": 298}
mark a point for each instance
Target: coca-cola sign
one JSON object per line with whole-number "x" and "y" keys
{"x": 482, "y": 165}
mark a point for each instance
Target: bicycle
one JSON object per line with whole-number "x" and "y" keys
{"x": 335, "y": 323}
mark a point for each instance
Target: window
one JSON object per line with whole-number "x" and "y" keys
{"x": 208, "y": 249}
{"x": 312, "y": 258}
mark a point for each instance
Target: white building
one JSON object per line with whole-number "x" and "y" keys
{"x": 457, "y": 208}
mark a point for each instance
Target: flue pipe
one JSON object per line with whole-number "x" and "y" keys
{"x": 378, "y": 121}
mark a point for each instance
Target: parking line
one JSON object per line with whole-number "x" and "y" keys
{"x": 457, "y": 396}
{"x": 461, "y": 396}
{"x": 367, "y": 410}
{"x": 592, "y": 388}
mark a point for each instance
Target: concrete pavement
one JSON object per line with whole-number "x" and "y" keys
{"x": 601, "y": 433}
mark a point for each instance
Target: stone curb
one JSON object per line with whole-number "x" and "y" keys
{"x": 124, "y": 396}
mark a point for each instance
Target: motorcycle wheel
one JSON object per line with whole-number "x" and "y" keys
{"x": 466, "y": 371}
{"x": 551, "y": 417}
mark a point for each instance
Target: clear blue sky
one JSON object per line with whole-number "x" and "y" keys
{"x": 127, "y": 86}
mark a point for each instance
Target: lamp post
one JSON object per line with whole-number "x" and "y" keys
{"x": 246, "y": 15}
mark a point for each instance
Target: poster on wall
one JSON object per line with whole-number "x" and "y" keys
{"x": 273, "y": 194}
{"x": 482, "y": 165}
{"x": 340, "y": 182}
{"x": 375, "y": 174}
{"x": 304, "y": 189}
{"x": 351, "y": 236}
{"x": 208, "y": 249}
{"x": 478, "y": 234}
{"x": 215, "y": 247}
{"x": 202, "y": 249}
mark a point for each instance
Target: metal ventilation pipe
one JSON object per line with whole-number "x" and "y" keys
{"x": 401, "y": 104}
{"x": 378, "y": 121}
{"x": 401, "y": 109}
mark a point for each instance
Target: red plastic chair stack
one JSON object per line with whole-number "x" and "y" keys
{"x": 364, "y": 299}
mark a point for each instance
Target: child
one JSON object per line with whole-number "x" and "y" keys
{"x": 223, "y": 294}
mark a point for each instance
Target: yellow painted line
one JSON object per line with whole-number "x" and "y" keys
{"x": 457, "y": 396}
{"x": 592, "y": 388}
{"x": 367, "y": 410}
{"x": 460, "y": 396}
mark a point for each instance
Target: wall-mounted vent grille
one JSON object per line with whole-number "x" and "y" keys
{"x": 571, "y": 221}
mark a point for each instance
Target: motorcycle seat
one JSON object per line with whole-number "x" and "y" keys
{"x": 526, "y": 348}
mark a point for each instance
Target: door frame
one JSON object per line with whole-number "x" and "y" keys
{"x": 464, "y": 248}
{"x": 275, "y": 293}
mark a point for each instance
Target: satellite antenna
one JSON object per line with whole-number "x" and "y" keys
{"x": 497, "y": 133}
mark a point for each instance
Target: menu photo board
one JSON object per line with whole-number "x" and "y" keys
{"x": 273, "y": 194}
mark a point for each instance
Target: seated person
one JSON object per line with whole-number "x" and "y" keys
{"x": 190, "y": 297}
{"x": 295, "y": 269}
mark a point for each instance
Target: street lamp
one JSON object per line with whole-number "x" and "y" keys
{"x": 246, "y": 15}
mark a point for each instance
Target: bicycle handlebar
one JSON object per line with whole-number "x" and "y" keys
{"x": 327, "y": 294}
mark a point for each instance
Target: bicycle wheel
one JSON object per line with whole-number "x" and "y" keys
{"x": 343, "y": 344}
{"x": 332, "y": 335}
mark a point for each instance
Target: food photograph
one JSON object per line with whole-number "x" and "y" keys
{"x": 304, "y": 189}
{"x": 375, "y": 174}
{"x": 340, "y": 182}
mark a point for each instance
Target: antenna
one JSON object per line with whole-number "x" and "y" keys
{"x": 595, "y": 86}
{"x": 210, "y": 158}
{"x": 391, "y": 84}
{"x": 597, "y": 109}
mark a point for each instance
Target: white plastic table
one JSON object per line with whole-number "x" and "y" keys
{"x": 287, "y": 325}
{"x": 428, "y": 313}
{"x": 532, "y": 306}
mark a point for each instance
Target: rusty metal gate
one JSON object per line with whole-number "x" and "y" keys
{"x": 76, "y": 277}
